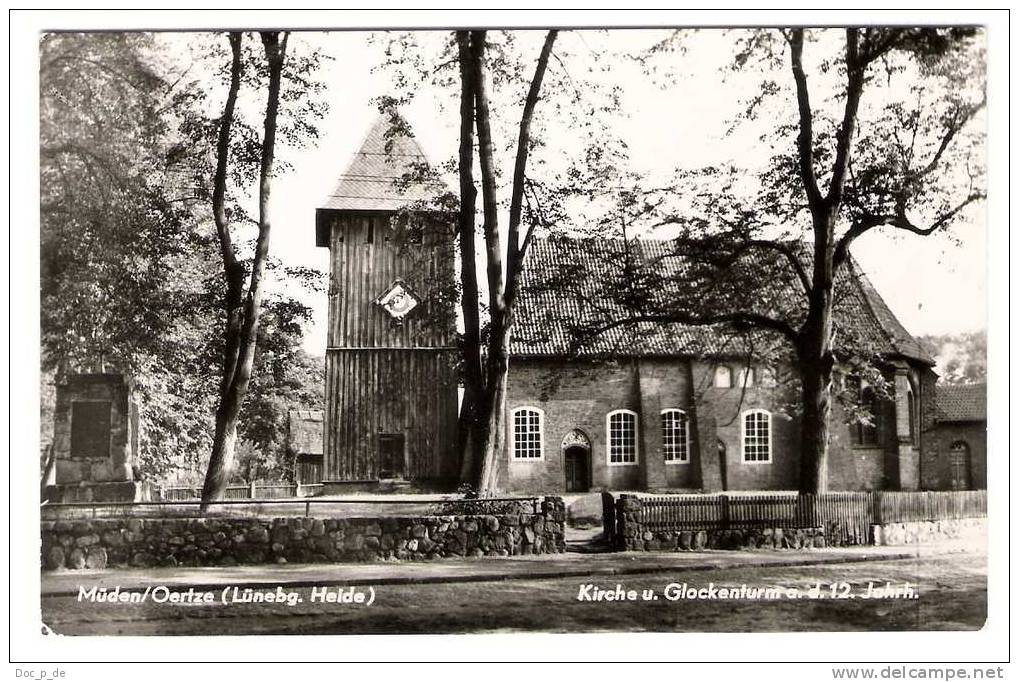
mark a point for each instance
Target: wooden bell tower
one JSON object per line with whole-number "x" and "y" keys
{"x": 391, "y": 387}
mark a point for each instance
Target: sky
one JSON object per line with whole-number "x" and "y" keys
{"x": 677, "y": 117}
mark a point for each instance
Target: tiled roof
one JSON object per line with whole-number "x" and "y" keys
{"x": 544, "y": 309}
{"x": 372, "y": 180}
{"x": 306, "y": 431}
{"x": 900, "y": 339}
{"x": 962, "y": 403}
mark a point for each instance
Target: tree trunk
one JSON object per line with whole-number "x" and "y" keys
{"x": 471, "y": 414}
{"x": 223, "y": 445}
{"x": 502, "y": 291}
{"x": 225, "y": 439}
{"x": 817, "y": 365}
{"x": 495, "y": 431}
{"x": 814, "y": 431}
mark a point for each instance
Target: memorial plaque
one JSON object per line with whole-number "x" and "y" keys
{"x": 90, "y": 429}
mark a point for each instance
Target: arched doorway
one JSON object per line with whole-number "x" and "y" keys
{"x": 959, "y": 466}
{"x": 576, "y": 450}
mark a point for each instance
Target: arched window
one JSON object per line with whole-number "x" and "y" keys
{"x": 528, "y": 440}
{"x": 621, "y": 436}
{"x": 675, "y": 436}
{"x": 756, "y": 436}
{"x": 746, "y": 377}
{"x": 911, "y": 408}
{"x": 723, "y": 377}
{"x": 868, "y": 434}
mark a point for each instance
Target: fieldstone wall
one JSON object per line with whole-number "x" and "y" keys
{"x": 921, "y": 532}
{"x": 696, "y": 540}
{"x": 138, "y": 542}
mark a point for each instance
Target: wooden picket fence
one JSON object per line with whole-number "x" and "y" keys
{"x": 254, "y": 491}
{"x": 896, "y": 507}
{"x": 845, "y": 516}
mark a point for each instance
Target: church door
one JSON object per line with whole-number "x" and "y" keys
{"x": 576, "y": 466}
{"x": 391, "y": 455}
{"x": 959, "y": 466}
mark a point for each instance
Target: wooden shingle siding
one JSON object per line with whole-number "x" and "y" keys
{"x": 390, "y": 391}
{"x": 362, "y": 271}
{"x": 385, "y": 376}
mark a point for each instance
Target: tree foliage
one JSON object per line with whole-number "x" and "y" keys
{"x": 511, "y": 98}
{"x": 961, "y": 358}
{"x": 129, "y": 277}
{"x": 858, "y": 130}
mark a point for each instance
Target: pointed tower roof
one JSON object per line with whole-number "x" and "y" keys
{"x": 371, "y": 181}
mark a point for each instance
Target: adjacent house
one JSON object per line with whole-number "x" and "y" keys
{"x": 304, "y": 441}
{"x": 956, "y": 454}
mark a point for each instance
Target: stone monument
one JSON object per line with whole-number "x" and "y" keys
{"x": 95, "y": 440}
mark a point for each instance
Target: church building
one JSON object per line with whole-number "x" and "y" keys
{"x": 680, "y": 408}
{"x": 679, "y": 411}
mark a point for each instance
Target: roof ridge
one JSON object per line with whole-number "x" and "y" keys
{"x": 859, "y": 277}
{"x": 373, "y": 178}
{"x": 869, "y": 291}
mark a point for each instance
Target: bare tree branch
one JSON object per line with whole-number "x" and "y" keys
{"x": 805, "y": 140}
{"x": 855, "y": 71}
{"x": 898, "y": 221}
{"x": 514, "y": 251}
{"x": 742, "y": 320}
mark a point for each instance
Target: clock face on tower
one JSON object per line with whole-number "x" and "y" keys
{"x": 398, "y": 300}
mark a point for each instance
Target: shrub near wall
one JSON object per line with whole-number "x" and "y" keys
{"x": 137, "y": 542}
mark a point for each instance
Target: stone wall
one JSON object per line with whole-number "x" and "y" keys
{"x": 923, "y": 532}
{"x": 148, "y": 542}
{"x": 696, "y": 540}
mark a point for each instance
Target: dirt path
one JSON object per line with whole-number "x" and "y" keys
{"x": 950, "y": 595}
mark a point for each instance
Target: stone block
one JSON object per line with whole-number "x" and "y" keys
{"x": 76, "y": 559}
{"x": 55, "y": 558}
{"x": 96, "y": 558}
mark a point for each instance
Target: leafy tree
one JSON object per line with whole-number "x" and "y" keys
{"x": 285, "y": 378}
{"x": 890, "y": 142}
{"x": 961, "y": 358}
{"x": 108, "y": 198}
{"x": 120, "y": 254}
{"x": 501, "y": 88}
{"x": 241, "y": 157}
{"x": 130, "y": 280}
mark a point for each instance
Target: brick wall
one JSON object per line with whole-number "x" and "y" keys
{"x": 579, "y": 396}
{"x": 857, "y": 467}
{"x": 936, "y": 464}
{"x": 574, "y": 397}
{"x": 725, "y": 406}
